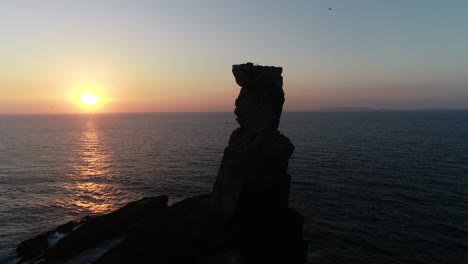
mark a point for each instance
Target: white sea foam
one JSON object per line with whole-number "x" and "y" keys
{"x": 55, "y": 237}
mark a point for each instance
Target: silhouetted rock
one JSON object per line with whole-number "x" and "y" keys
{"x": 182, "y": 233}
{"x": 87, "y": 233}
{"x": 246, "y": 219}
{"x": 252, "y": 187}
{"x": 232, "y": 256}
{"x": 261, "y": 98}
{"x": 187, "y": 232}
{"x": 253, "y": 169}
{"x": 35, "y": 246}
{"x": 274, "y": 237}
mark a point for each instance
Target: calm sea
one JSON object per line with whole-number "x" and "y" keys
{"x": 375, "y": 187}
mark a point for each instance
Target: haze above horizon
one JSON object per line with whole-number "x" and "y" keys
{"x": 176, "y": 56}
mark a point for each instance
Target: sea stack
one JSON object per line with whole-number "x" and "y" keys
{"x": 246, "y": 219}
{"x": 252, "y": 177}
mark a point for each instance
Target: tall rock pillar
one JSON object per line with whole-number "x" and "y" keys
{"x": 252, "y": 176}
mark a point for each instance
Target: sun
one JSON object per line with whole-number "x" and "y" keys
{"x": 89, "y": 99}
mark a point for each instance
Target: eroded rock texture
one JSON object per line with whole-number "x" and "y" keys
{"x": 261, "y": 97}
{"x": 252, "y": 177}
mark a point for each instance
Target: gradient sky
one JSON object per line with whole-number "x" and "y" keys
{"x": 147, "y": 56}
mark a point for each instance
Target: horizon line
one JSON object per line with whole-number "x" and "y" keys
{"x": 323, "y": 110}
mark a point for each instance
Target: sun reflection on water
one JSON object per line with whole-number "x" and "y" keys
{"x": 89, "y": 188}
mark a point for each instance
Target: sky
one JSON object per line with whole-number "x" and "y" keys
{"x": 176, "y": 56}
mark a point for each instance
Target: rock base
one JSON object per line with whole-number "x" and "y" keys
{"x": 186, "y": 232}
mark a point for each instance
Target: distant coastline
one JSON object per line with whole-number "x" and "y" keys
{"x": 346, "y": 109}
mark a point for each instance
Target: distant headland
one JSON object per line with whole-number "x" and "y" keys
{"x": 346, "y": 109}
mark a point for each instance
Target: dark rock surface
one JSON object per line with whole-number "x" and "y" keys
{"x": 183, "y": 233}
{"x": 34, "y": 247}
{"x": 89, "y": 231}
{"x": 246, "y": 219}
{"x": 253, "y": 168}
{"x": 188, "y": 232}
{"x": 260, "y": 101}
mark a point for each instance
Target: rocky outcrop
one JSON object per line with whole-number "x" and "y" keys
{"x": 252, "y": 176}
{"x": 252, "y": 186}
{"x": 246, "y": 219}
{"x": 35, "y": 246}
{"x": 73, "y": 237}
{"x": 261, "y": 97}
{"x": 185, "y": 232}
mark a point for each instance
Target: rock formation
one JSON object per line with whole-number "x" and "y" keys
{"x": 252, "y": 176}
{"x": 88, "y": 232}
{"x": 246, "y": 219}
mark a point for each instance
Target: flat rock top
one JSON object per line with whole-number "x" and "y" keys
{"x": 250, "y": 67}
{"x": 257, "y": 76}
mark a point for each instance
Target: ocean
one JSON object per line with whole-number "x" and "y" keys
{"x": 374, "y": 186}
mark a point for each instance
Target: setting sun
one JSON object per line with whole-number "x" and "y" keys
{"x": 89, "y": 96}
{"x": 89, "y": 99}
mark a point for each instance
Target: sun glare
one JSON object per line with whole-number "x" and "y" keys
{"x": 89, "y": 99}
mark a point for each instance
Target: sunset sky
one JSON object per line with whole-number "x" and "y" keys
{"x": 160, "y": 56}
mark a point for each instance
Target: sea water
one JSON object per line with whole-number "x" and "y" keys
{"x": 374, "y": 186}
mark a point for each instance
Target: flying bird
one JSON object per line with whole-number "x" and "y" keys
{"x": 330, "y": 9}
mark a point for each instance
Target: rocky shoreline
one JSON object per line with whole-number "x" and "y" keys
{"x": 246, "y": 218}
